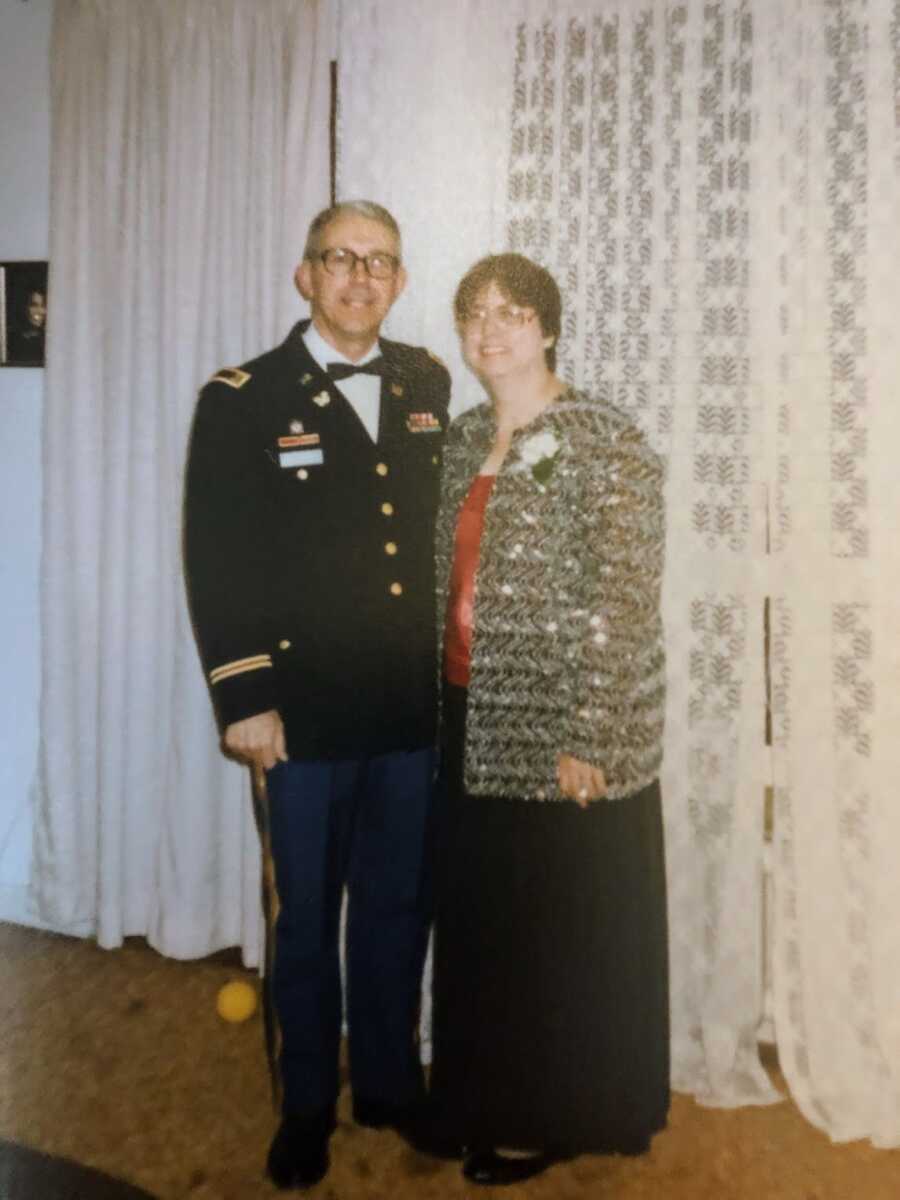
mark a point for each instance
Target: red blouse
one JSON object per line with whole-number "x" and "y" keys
{"x": 461, "y": 600}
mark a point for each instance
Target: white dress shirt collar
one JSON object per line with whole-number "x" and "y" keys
{"x": 324, "y": 353}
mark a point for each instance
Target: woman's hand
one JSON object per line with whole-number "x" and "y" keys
{"x": 579, "y": 781}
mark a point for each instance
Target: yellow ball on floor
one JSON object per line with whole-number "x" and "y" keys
{"x": 236, "y": 1001}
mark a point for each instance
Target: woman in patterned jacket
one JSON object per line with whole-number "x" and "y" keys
{"x": 550, "y": 970}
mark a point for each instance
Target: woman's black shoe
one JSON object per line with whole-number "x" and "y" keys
{"x": 493, "y": 1169}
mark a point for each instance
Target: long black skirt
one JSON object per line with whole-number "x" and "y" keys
{"x": 551, "y": 1018}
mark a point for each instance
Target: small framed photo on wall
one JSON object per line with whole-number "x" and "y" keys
{"x": 23, "y": 313}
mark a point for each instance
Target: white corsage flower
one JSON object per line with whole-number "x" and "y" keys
{"x": 539, "y": 452}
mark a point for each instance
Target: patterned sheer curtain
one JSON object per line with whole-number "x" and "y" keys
{"x": 712, "y": 185}
{"x": 832, "y": 363}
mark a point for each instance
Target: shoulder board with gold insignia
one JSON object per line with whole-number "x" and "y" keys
{"x": 233, "y": 376}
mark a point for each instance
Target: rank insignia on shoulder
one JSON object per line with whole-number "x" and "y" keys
{"x": 322, "y": 399}
{"x": 423, "y": 422}
{"x": 396, "y": 389}
{"x": 233, "y": 376}
{"x": 436, "y": 358}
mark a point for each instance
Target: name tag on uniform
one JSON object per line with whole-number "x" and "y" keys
{"x": 300, "y": 458}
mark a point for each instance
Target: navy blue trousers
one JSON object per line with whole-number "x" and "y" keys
{"x": 364, "y": 824}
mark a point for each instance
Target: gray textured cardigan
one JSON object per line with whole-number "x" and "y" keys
{"x": 567, "y": 651}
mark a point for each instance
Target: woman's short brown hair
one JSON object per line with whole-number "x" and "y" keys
{"x": 521, "y": 281}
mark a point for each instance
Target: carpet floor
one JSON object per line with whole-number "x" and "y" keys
{"x": 119, "y": 1062}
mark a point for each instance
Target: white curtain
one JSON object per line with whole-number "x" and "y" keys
{"x": 190, "y": 150}
{"x": 714, "y": 185}
{"x": 832, "y": 127}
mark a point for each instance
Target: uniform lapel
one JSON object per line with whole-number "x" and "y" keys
{"x": 393, "y": 392}
{"x": 325, "y": 405}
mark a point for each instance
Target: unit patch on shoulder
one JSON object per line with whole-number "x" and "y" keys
{"x": 233, "y": 376}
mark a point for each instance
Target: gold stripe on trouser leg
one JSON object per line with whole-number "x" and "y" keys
{"x": 271, "y": 907}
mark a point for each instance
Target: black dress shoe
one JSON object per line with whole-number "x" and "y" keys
{"x": 494, "y": 1170}
{"x": 379, "y": 1114}
{"x": 416, "y": 1123}
{"x": 298, "y": 1156}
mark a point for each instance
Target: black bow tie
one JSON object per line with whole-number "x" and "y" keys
{"x": 339, "y": 370}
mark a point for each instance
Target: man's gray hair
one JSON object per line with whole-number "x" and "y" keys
{"x": 349, "y": 208}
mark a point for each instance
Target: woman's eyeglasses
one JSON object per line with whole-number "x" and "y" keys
{"x": 506, "y": 316}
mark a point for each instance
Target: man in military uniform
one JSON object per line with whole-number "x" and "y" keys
{"x": 312, "y": 484}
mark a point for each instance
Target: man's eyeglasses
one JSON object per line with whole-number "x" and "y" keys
{"x": 507, "y": 316}
{"x": 339, "y": 261}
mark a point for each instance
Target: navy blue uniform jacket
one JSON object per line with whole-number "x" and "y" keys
{"x": 309, "y": 549}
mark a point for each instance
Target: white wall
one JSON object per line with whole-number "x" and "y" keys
{"x": 24, "y": 225}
